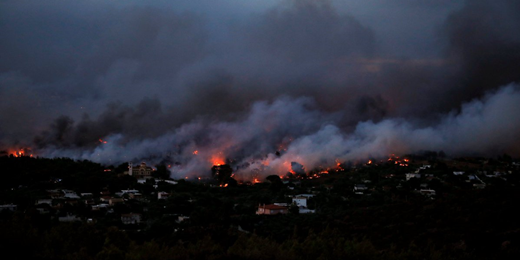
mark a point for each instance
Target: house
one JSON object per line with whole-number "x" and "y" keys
{"x": 105, "y": 198}
{"x": 131, "y": 218}
{"x": 114, "y": 201}
{"x": 170, "y": 182}
{"x": 86, "y": 195}
{"x": 43, "y": 208}
{"x": 43, "y": 201}
{"x": 162, "y": 195}
{"x": 359, "y": 188}
{"x": 428, "y": 193}
{"x": 412, "y": 175}
{"x": 479, "y": 185}
{"x": 135, "y": 195}
{"x": 69, "y": 218}
{"x": 54, "y": 194}
{"x": 182, "y": 218}
{"x": 271, "y": 209}
{"x": 70, "y": 194}
{"x": 306, "y": 211}
{"x": 99, "y": 207}
{"x": 129, "y": 191}
{"x": 300, "y": 201}
{"x": 10, "y": 207}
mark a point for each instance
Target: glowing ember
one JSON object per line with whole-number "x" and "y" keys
{"x": 195, "y": 152}
{"x": 397, "y": 161}
{"x": 369, "y": 162}
{"x": 102, "y": 141}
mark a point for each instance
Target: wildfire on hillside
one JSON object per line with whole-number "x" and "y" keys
{"x": 20, "y": 152}
{"x": 398, "y": 161}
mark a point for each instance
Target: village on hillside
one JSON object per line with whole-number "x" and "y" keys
{"x": 146, "y": 203}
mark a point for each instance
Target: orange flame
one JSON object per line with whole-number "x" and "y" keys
{"x": 217, "y": 160}
{"x": 19, "y": 152}
{"x": 369, "y": 162}
{"x": 102, "y": 141}
{"x": 195, "y": 152}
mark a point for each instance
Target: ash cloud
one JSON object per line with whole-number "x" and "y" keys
{"x": 161, "y": 80}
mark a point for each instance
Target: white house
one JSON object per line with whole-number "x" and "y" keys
{"x": 300, "y": 201}
{"x": 412, "y": 175}
{"x": 162, "y": 195}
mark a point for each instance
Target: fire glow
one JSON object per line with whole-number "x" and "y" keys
{"x": 401, "y": 162}
{"x": 217, "y": 160}
{"x": 19, "y": 152}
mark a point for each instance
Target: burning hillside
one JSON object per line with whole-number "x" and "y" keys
{"x": 18, "y": 152}
{"x": 270, "y": 88}
{"x": 302, "y": 139}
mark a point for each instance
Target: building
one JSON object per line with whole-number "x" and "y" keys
{"x": 69, "y": 218}
{"x": 412, "y": 175}
{"x": 140, "y": 172}
{"x": 300, "y": 201}
{"x": 271, "y": 209}
{"x": 162, "y": 195}
{"x": 114, "y": 201}
{"x": 10, "y": 207}
{"x": 131, "y": 218}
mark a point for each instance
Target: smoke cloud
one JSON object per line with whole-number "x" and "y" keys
{"x": 277, "y": 137}
{"x": 317, "y": 81}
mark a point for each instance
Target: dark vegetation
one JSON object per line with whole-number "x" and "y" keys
{"x": 389, "y": 221}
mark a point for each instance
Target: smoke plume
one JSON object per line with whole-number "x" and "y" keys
{"x": 267, "y": 86}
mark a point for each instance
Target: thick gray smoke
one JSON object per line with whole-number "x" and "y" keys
{"x": 275, "y": 136}
{"x": 235, "y": 80}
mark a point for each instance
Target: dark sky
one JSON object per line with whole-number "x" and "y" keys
{"x": 328, "y": 79}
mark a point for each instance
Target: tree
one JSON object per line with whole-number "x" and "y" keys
{"x": 162, "y": 172}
